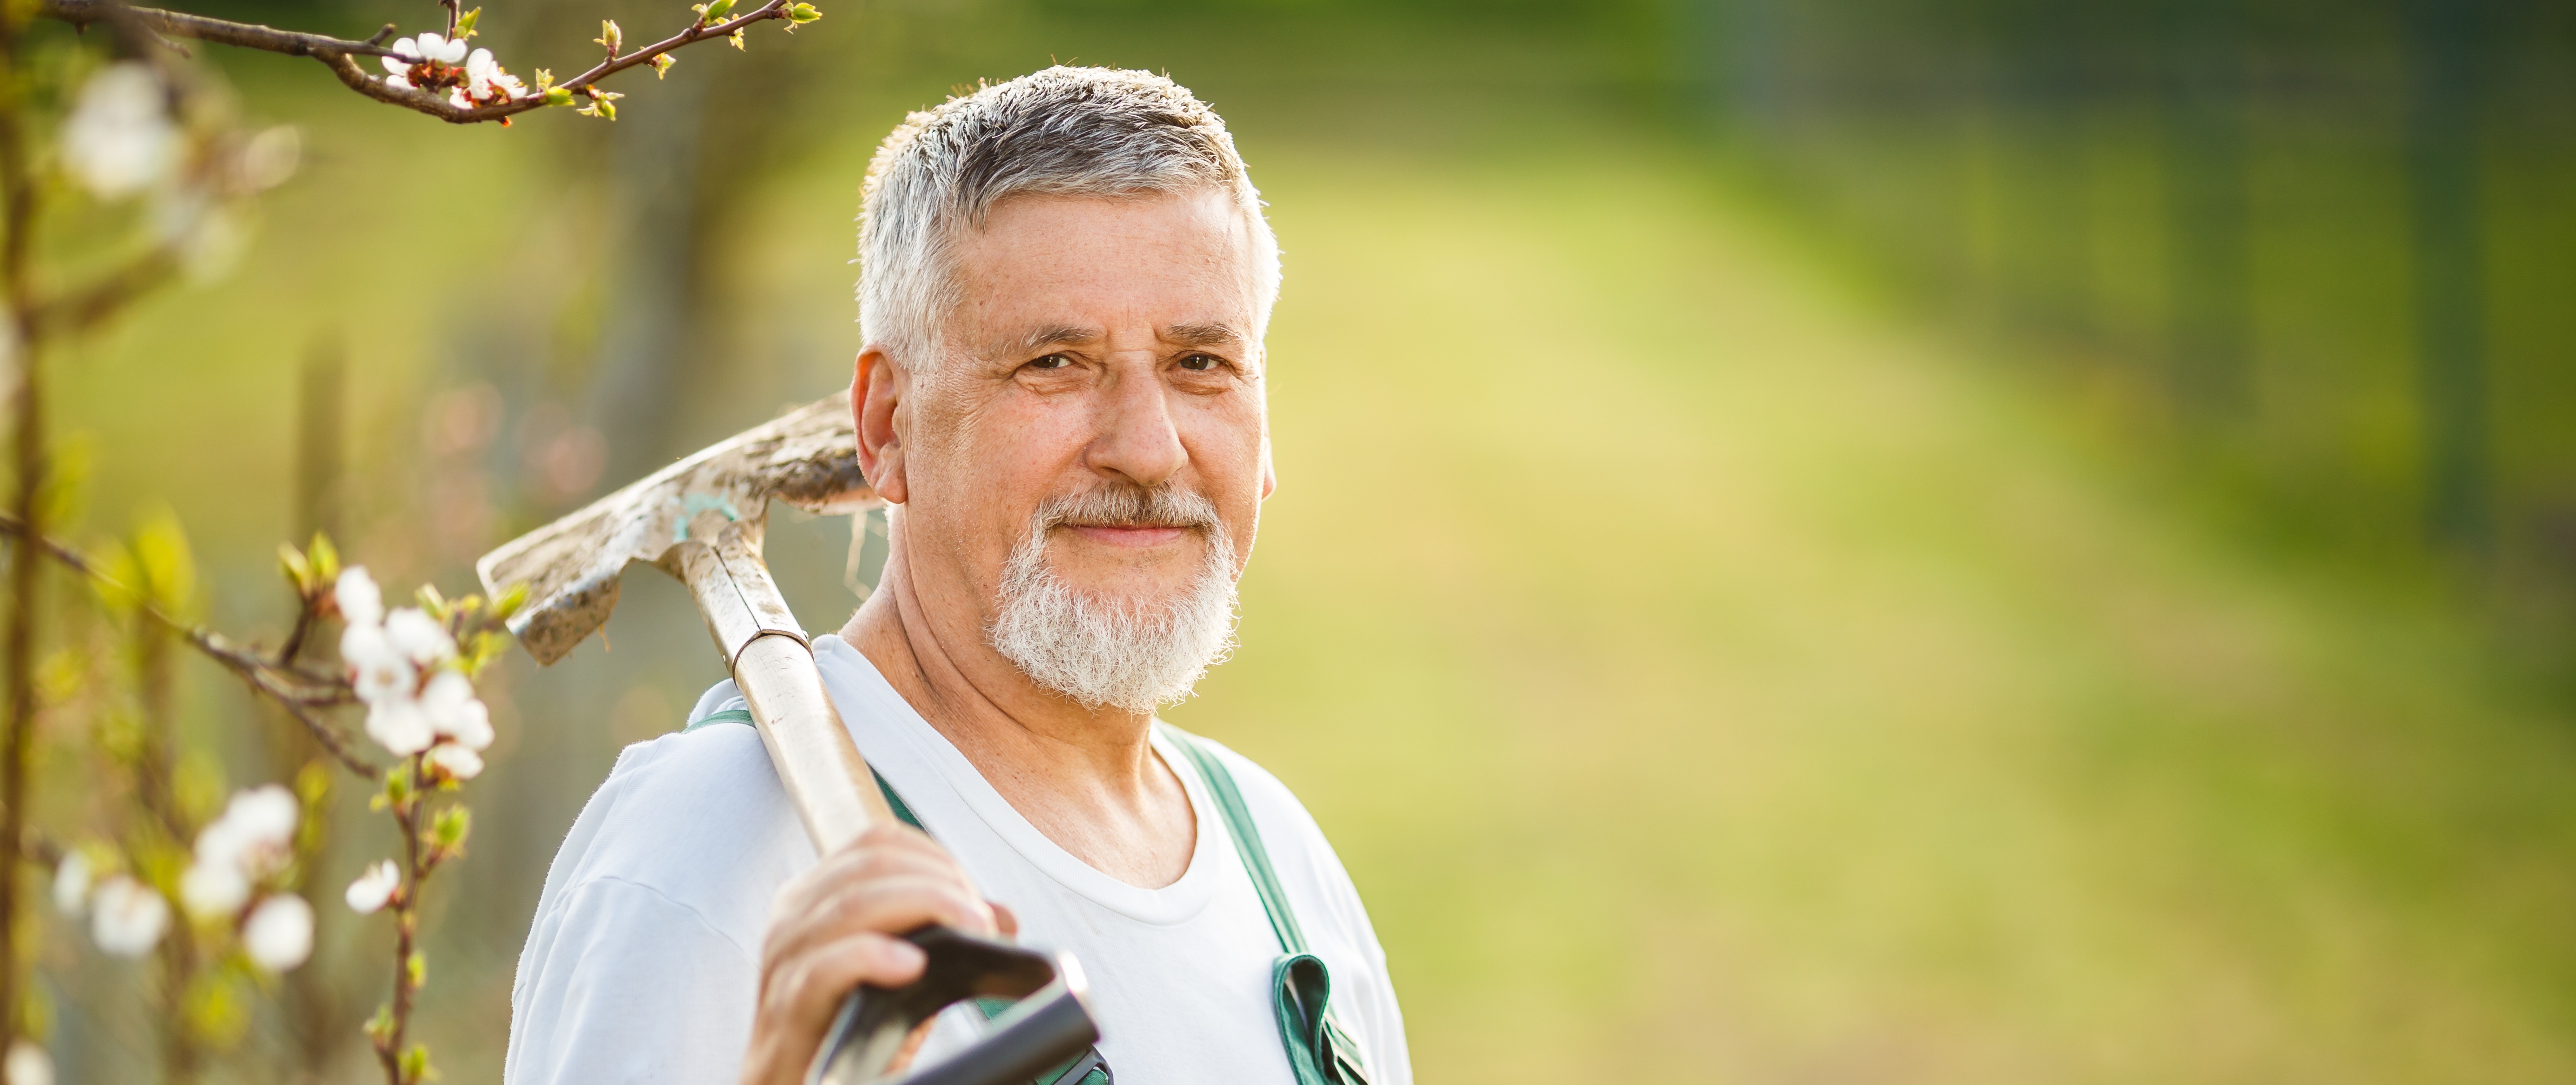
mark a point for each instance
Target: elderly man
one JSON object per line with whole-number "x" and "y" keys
{"x": 1065, "y": 280}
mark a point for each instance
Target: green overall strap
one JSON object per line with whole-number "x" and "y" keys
{"x": 1319, "y": 1052}
{"x": 1088, "y": 1069}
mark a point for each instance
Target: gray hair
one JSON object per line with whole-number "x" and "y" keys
{"x": 1060, "y": 132}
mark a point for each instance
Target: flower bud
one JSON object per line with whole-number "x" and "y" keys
{"x": 801, "y": 14}
{"x": 558, "y": 96}
{"x": 610, "y": 36}
{"x": 718, "y": 9}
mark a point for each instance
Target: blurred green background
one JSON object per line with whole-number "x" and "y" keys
{"x": 1968, "y": 541}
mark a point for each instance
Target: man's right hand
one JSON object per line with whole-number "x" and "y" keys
{"x": 838, "y": 925}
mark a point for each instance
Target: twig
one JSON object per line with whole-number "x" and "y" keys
{"x": 308, "y": 692}
{"x": 18, "y": 196}
{"x": 332, "y": 741}
{"x": 81, "y": 310}
{"x": 40, "y": 850}
{"x": 389, "y": 1047}
{"x": 340, "y": 54}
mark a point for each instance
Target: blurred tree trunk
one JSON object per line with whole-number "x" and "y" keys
{"x": 318, "y": 1022}
{"x": 2206, "y": 208}
{"x": 2443, "y": 94}
{"x": 661, "y": 222}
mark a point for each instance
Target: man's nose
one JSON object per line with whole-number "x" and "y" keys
{"x": 1137, "y": 438}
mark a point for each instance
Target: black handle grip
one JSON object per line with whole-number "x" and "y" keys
{"x": 1049, "y": 1026}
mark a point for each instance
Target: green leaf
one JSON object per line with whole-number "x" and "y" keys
{"x": 716, "y": 10}
{"x": 59, "y": 502}
{"x": 465, "y": 23}
{"x": 449, "y": 828}
{"x": 415, "y": 1062}
{"x": 512, "y": 598}
{"x": 381, "y": 1027}
{"x": 558, "y": 96}
{"x": 418, "y": 970}
{"x": 299, "y": 572}
{"x": 398, "y": 789}
{"x": 216, "y": 1008}
{"x": 326, "y": 557}
{"x": 801, "y": 14}
{"x": 167, "y": 567}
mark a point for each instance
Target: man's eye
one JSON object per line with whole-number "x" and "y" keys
{"x": 1200, "y": 363}
{"x": 1051, "y": 361}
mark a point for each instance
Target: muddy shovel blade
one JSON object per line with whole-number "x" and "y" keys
{"x": 1049, "y": 1024}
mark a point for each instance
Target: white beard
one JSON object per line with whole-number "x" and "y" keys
{"x": 1111, "y": 654}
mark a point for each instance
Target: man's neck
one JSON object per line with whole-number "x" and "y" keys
{"x": 1088, "y": 779}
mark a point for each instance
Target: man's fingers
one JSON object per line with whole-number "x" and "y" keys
{"x": 885, "y": 904}
{"x": 803, "y": 994}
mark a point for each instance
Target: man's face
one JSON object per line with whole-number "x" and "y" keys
{"x": 1102, "y": 344}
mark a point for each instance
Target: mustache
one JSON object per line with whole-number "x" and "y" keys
{"x": 1128, "y": 505}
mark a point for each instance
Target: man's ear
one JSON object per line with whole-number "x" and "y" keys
{"x": 876, "y": 389}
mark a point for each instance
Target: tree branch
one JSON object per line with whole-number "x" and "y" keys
{"x": 340, "y": 54}
{"x": 79, "y": 311}
{"x": 305, "y": 693}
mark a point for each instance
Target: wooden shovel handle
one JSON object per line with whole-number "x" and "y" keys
{"x": 827, "y": 781}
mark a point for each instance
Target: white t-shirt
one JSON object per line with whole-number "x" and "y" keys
{"x": 644, "y": 959}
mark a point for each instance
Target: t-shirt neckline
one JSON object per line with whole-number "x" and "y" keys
{"x": 1178, "y": 902}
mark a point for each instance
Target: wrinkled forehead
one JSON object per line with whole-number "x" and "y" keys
{"x": 1069, "y": 269}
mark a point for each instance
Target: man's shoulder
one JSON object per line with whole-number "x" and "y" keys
{"x": 696, "y": 817}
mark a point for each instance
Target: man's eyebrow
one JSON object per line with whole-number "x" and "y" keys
{"x": 1203, "y": 335}
{"x": 1053, "y": 335}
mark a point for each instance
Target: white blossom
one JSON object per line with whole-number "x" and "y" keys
{"x": 361, "y": 601}
{"x": 442, "y": 50}
{"x": 213, "y": 889}
{"x": 378, "y": 672}
{"x": 72, "y": 879}
{"x": 457, "y": 761}
{"x": 27, "y": 1064}
{"x": 429, "y": 47}
{"x": 375, "y": 888}
{"x": 127, "y": 917}
{"x": 261, "y": 823}
{"x": 455, "y": 713}
{"x": 486, "y": 83}
{"x": 419, "y": 637}
{"x": 271, "y": 157}
{"x": 399, "y": 725}
{"x": 279, "y": 934}
{"x": 253, "y": 839}
{"x": 119, "y": 139}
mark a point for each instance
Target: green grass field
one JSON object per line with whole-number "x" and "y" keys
{"x": 1706, "y": 674}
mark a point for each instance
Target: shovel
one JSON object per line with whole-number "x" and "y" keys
{"x": 701, "y": 520}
